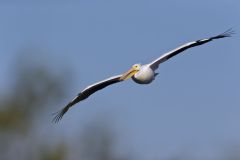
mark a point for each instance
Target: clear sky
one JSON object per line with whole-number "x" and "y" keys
{"x": 194, "y": 103}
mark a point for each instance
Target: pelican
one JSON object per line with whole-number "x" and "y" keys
{"x": 141, "y": 74}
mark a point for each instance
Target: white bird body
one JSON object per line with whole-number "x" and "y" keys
{"x": 144, "y": 74}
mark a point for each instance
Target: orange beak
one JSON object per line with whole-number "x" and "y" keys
{"x": 129, "y": 74}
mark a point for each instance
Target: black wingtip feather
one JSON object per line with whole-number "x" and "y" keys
{"x": 59, "y": 115}
{"x": 227, "y": 33}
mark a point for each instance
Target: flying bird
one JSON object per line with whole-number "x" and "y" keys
{"x": 141, "y": 74}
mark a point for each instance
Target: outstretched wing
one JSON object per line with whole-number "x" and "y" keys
{"x": 85, "y": 94}
{"x": 154, "y": 65}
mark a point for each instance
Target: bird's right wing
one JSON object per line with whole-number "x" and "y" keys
{"x": 86, "y": 93}
{"x": 154, "y": 65}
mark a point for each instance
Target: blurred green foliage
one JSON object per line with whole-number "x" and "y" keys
{"x": 57, "y": 153}
{"x": 34, "y": 87}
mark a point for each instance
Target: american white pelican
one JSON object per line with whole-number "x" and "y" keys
{"x": 142, "y": 74}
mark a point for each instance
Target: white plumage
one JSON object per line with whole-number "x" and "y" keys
{"x": 145, "y": 75}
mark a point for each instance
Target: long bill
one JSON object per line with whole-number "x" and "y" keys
{"x": 128, "y": 74}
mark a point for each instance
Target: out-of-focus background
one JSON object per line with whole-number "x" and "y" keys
{"x": 51, "y": 50}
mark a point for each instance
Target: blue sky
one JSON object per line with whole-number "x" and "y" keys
{"x": 194, "y": 103}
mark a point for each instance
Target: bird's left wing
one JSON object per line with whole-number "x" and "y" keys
{"x": 154, "y": 65}
{"x": 86, "y": 93}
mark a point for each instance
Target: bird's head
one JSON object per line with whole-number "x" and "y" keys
{"x": 133, "y": 70}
